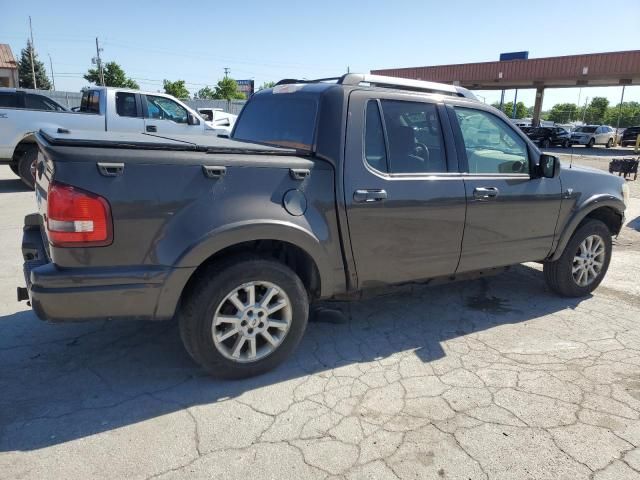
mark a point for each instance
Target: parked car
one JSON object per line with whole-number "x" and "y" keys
{"x": 545, "y": 137}
{"x": 590, "y": 135}
{"x": 325, "y": 189}
{"x": 218, "y": 119}
{"x": 629, "y": 136}
{"x": 110, "y": 109}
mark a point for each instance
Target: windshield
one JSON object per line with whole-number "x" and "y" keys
{"x": 283, "y": 120}
{"x": 586, "y": 129}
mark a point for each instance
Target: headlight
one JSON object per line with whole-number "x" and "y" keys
{"x": 625, "y": 194}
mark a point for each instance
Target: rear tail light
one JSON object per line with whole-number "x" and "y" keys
{"x": 76, "y": 218}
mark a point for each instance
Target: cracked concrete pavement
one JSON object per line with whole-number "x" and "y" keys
{"x": 488, "y": 379}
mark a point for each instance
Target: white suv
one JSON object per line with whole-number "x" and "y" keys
{"x": 590, "y": 135}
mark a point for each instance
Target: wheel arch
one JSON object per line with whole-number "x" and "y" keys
{"x": 606, "y": 208}
{"x": 290, "y": 244}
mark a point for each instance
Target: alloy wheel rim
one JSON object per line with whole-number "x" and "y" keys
{"x": 588, "y": 261}
{"x": 252, "y": 321}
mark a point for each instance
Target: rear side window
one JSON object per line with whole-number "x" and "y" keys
{"x": 90, "y": 102}
{"x": 413, "y": 138}
{"x": 126, "y": 104}
{"x": 8, "y": 100}
{"x": 284, "y": 120}
{"x": 374, "y": 148}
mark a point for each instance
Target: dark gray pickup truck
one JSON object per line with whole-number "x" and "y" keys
{"x": 326, "y": 188}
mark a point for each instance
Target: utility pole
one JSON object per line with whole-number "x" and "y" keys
{"x": 33, "y": 68}
{"x": 53, "y": 78}
{"x": 226, "y": 72}
{"x": 584, "y": 112}
{"x": 98, "y": 61}
{"x": 515, "y": 100}
{"x": 620, "y": 112}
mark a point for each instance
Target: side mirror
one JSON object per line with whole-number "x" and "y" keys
{"x": 549, "y": 166}
{"x": 192, "y": 119}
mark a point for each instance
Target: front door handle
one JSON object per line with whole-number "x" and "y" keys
{"x": 369, "y": 196}
{"x": 152, "y": 128}
{"x": 485, "y": 193}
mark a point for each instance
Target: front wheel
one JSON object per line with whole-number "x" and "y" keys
{"x": 610, "y": 143}
{"x": 546, "y": 143}
{"x": 565, "y": 144}
{"x": 584, "y": 262}
{"x": 591, "y": 143}
{"x": 244, "y": 318}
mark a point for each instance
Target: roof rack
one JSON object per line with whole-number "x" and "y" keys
{"x": 381, "y": 81}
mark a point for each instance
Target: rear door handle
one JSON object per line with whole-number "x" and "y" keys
{"x": 369, "y": 196}
{"x": 152, "y": 128}
{"x": 485, "y": 193}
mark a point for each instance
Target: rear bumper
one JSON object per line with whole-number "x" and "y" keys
{"x": 92, "y": 293}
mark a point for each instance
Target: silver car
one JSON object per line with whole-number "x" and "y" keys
{"x": 590, "y": 135}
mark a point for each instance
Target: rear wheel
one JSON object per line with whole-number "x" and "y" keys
{"x": 610, "y": 143}
{"x": 565, "y": 144}
{"x": 591, "y": 143}
{"x": 584, "y": 262}
{"x": 14, "y": 168}
{"x": 546, "y": 143}
{"x": 27, "y": 167}
{"x": 244, "y": 318}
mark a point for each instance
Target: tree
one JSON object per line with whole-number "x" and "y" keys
{"x": 114, "y": 76}
{"x": 629, "y": 113}
{"x": 25, "y": 75}
{"x": 563, "y": 112}
{"x": 177, "y": 89}
{"x": 227, "y": 89}
{"x": 507, "y": 108}
{"x": 266, "y": 85}
{"x": 596, "y": 110}
{"x": 206, "y": 93}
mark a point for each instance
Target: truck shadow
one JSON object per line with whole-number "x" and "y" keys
{"x": 12, "y": 186}
{"x": 60, "y": 383}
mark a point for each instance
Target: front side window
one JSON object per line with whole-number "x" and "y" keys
{"x": 126, "y": 104}
{"x": 165, "y": 109}
{"x": 492, "y": 147}
{"x": 38, "y": 102}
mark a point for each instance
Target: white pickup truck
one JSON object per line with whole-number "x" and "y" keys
{"x": 218, "y": 118}
{"x": 101, "y": 109}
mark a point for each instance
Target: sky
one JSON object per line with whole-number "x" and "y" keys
{"x": 267, "y": 41}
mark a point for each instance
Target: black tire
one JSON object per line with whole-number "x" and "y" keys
{"x": 14, "y": 168}
{"x": 26, "y": 168}
{"x": 558, "y": 274}
{"x": 546, "y": 143}
{"x": 208, "y": 292}
{"x": 565, "y": 144}
{"x": 609, "y": 143}
{"x": 591, "y": 143}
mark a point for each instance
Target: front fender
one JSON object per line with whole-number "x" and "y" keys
{"x": 579, "y": 213}
{"x": 245, "y": 231}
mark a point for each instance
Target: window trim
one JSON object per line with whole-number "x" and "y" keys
{"x": 463, "y": 160}
{"x": 404, "y": 175}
